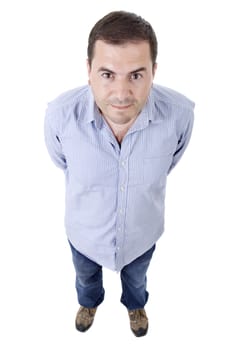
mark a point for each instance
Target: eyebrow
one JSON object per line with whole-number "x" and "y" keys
{"x": 103, "y": 69}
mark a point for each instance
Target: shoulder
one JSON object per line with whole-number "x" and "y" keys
{"x": 69, "y": 98}
{"x": 67, "y": 105}
{"x": 171, "y": 106}
{"x": 171, "y": 98}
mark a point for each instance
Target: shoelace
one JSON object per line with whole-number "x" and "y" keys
{"x": 86, "y": 313}
{"x": 136, "y": 315}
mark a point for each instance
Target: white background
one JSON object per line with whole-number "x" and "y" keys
{"x": 43, "y": 53}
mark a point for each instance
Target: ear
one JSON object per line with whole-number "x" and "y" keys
{"x": 88, "y": 67}
{"x": 88, "y": 70}
{"x": 154, "y": 69}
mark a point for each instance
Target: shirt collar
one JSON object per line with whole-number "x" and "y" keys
{"x": 149, "y": 113}
{"x": 152, "y": 105}
{"x": 90, "y": 110}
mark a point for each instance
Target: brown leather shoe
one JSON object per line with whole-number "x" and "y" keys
{"x": 138, "y": 322}
{"x": 84, "y": 318}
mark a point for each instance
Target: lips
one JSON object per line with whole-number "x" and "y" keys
{"x": 120, "y": 107}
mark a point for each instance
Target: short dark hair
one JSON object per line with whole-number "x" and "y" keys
{"x": 119, "y": 27}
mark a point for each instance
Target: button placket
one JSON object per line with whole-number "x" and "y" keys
{"x": 122, "y": 197}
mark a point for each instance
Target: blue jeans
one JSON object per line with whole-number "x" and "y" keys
{"x": 89, "y": 281}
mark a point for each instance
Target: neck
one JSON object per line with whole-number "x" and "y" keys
{"x": 119, "y": 130}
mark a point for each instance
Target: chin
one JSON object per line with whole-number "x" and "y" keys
{"x": 121, "y": 121}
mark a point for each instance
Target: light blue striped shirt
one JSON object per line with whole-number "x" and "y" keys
{"x": 115, "y": 194}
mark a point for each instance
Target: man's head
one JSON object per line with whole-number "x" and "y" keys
{"x": 122, "y": 51}
{"x": 121, "y": 27}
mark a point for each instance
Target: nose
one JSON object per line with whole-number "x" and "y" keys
{"x": 122, "y": 90}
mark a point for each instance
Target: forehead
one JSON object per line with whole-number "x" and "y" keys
{"x": 130, "y": 53}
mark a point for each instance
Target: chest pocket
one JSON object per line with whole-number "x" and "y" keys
{"x": 149, "y": 170}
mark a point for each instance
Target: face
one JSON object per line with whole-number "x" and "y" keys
{"x": 121, "y": 77}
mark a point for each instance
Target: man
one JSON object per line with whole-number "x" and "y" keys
{"x": 116, "y": 140}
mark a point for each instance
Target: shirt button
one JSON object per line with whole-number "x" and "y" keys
{"x": 122, "y": 188}
{"x": 123, "y": 163}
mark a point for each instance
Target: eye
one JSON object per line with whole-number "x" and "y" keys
{"x": 135, "y": 76}
{"x": 107, "y": 75}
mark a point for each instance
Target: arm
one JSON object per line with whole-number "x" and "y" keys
{"x": 184, "y": 139}
{"x": 53, "y": 143}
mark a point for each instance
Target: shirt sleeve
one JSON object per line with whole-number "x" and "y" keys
{"x": 183, "y": 142}
{"x": 53, "y": 143}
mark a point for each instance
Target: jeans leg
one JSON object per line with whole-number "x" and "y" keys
{"x": 89, "y": 280}
{"x": 133, "y": 280}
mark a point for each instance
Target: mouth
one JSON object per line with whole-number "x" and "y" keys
{"x": 121, "y": 107}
